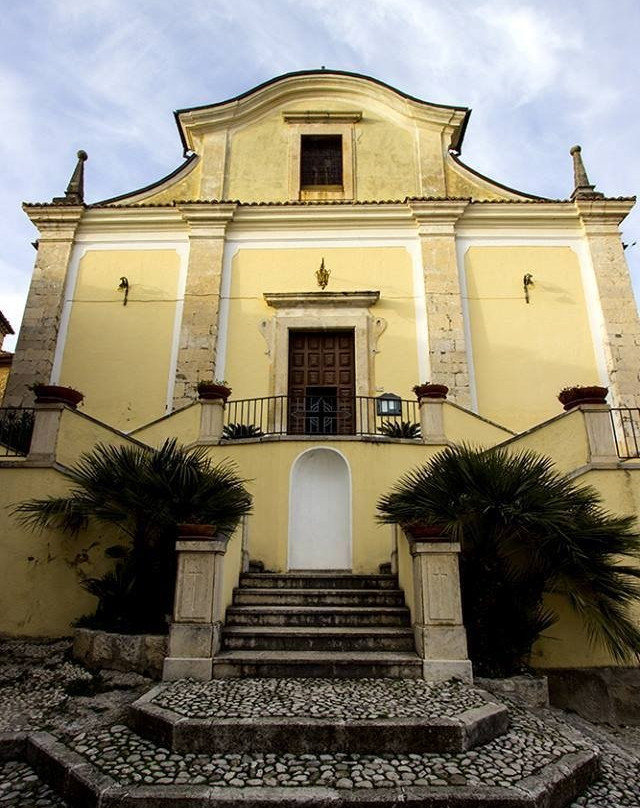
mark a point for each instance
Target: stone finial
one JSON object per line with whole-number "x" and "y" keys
{"x": 582, "y": 187}
{"x": 74, "y": 195}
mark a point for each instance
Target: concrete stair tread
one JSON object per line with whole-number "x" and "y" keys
{"x": 297, "y": 590}
{"x": 365, "y": 631}
{"x": 300, "y": 657}
{"x": 259, "y": 608}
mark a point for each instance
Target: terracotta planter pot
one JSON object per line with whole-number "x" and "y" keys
{"x": 212, "y": 391}
{"x": 189, "y": 530}
{"x": 430, "y": 391}
{"x": 57, "y": 394}
{"x": 572, "y": 397}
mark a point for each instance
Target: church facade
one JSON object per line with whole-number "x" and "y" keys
{"x": 322, "y": 250}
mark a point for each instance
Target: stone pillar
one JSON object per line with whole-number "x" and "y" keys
{"x": 35, "y": 350}
{"x": 432, "y": 421}
{"x": 199, "y": 331}
{"x": 440, "y": 637}
{"x": 211, "y": 420}
{"x": 445, "y": 322}
{"x": 621, "y": 326}
{"x": 602, "y": 440}
{"x": 45, "y": 432}
{"x": 196, "y": 630}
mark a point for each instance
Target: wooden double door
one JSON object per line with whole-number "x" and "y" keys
{"x": 321, "y": 390}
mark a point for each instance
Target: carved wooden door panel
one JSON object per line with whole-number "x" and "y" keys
{"x": 321, "y": 383}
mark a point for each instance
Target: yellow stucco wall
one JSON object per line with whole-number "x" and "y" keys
{"x": 524, "y": 354}
{"x": 4, "y": 375}
{"x": 184, "y": 426}
{"x": 563, "y": 439}
{"x": 41, "y": 572}
{"x": 259, "y": 154}
{"x": 462, "y": 185}
{"x": 119, "y": 356}
{"x": 79, "y": 434}
{"x": 384, "y": 269}
{"x": 267, "y": 467}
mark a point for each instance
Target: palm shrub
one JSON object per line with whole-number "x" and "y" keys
{"x": 145, "y": 493}
{"x": 525, "y": 531}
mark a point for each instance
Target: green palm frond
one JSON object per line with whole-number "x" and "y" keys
{"x": 535, "y": 529}
{"x": 144, "y": 493}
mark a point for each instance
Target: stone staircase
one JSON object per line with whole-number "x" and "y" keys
{"x": 317, "y": 624}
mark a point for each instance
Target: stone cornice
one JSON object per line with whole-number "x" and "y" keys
{"x": 516, "y": 215}
{"x": 207, "y": 220}
{"x": 603, "y": 216}
{"x": 324, "y": 217}
{"x": 55, "y": 222}
{"x": 437, "y": 217}
{"x": 296, "y": 300}
{"x": 132, "y": 220}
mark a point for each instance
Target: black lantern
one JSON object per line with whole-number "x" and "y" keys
{"x": 388, "y": 404}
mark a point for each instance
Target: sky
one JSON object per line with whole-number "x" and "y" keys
{"x": 106, "y": 75}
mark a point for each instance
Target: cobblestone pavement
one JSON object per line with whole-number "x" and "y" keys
{"x": 528, "y": 746}
{"x": 319, "y": 698}
{"x": 41, "y": 689}
{"x": 20, "y": 787}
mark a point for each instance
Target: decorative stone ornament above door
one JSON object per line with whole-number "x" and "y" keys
{"x": 316, "y": 311}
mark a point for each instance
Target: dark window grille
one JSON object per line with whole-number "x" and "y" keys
{"x": 320, "y": 160}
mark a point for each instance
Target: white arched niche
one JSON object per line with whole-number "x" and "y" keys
{"x": 320, "y": 511}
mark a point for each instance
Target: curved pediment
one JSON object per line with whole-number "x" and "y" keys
{"x": 391, "y": 146}
{"x": 313, "y": 88}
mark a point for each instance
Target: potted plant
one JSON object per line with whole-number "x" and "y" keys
{"x": 571, "y": 397}
{"x": 56, "y": 394}
{"x": 428, "y": 390}
{"x": 209, "y": 389}
{"x": 421, "y": 530}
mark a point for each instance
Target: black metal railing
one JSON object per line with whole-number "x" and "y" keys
{"x": 319, "y": 415}
{"x": 626, "y": 428}
{"x": 16, "y": 428}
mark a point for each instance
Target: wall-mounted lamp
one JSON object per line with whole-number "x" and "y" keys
{"x": 322, "y": 275}
{"x": 527, "y": 281}
{"x": 123, "y": 286}
{"x": 388, "y": 404}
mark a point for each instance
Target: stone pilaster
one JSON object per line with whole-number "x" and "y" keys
{"x": 198, "y": 335}
{"x": 621, "y": 327}
{"x": 445, "y": 322}
{"x": 439, "y": 633}
{"x": 197, "y": 618}
{"x": 35, "y": 350}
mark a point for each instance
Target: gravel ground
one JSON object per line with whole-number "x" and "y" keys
{"x": 319, "y": 698}
{"x": 41, "y": 689}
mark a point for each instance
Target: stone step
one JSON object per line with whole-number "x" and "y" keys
{"x": 317, "y": 616}
{"x": 317, "y": 597}
{"x": 280, "y": 638}
{"x": 317, "y": 580}
{"x": 314, "y": 664}
{"x": 108, "y": 767}
{"x": 219, "y": 717}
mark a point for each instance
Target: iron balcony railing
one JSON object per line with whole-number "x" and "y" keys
{"x": 626, "y": 428}
{"x": 319, "y": 415}
{"x": 16, "y": 428}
